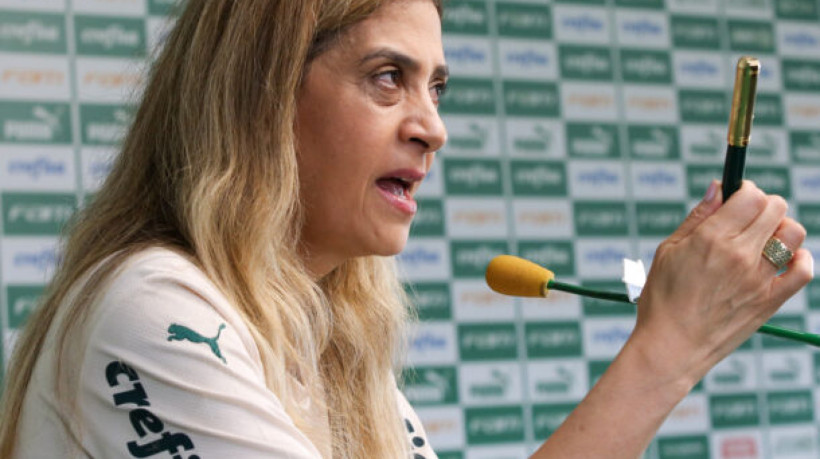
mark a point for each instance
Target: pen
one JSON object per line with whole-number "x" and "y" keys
{"x": 740, "y": 123}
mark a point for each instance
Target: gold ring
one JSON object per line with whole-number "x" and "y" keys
{"x": 777, "y": 253}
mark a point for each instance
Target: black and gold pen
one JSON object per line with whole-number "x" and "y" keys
{"x": 740, "y": 123}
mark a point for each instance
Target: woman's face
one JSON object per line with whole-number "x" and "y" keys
{"x": 367, "y": 129}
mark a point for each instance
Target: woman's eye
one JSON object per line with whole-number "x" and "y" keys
{"x": 389, "y": 77}
{"x": 437, "y": 91}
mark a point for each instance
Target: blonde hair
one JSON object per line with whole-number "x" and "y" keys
{"x": 209, "y": 169}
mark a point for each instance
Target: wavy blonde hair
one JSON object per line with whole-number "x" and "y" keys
{"x": 209, "y": 169}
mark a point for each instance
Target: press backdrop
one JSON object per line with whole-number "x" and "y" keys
{"x": 581, "y": 132}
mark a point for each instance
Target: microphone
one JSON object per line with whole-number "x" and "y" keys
{"x": 514, "y": 276}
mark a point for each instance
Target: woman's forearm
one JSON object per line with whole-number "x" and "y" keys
{"x": 623, "y": 411}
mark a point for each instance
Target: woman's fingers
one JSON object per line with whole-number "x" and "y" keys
{"x": 799, "y": 273}
{"x": 706, "y": 207}
{"x": 791, "y": 234}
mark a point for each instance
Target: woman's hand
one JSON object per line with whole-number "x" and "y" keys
{"x": 710, "y": 288}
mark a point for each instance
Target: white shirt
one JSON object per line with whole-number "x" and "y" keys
{"x": 169, "y": 370}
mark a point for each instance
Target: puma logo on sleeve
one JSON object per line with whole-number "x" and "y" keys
{"x": 181, "y": 332}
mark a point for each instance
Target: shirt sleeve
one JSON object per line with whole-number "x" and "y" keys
{"x": 170, "y": 371}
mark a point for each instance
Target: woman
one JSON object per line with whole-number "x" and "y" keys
{"x": 226, "y": 293}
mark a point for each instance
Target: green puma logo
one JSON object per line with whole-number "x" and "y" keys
{"x": 181, "y": 332}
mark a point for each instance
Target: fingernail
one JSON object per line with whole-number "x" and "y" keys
{"x": 711, "y": 192}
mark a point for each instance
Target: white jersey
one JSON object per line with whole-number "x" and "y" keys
{"x": 170, "y": 370}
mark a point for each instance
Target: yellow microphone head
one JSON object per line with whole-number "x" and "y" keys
{"x": 514, "y": 276}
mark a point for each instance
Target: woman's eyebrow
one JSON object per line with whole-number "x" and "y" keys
{"x": 441, "y": 71}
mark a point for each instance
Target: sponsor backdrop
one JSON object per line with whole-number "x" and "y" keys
{"x": 581, "y": 132}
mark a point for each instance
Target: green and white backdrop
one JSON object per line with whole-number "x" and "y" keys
{"x": 581, "y": 132}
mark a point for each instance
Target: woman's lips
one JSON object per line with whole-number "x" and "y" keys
{"x": 397, "y": 194}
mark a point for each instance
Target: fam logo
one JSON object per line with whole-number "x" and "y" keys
{"x": 558, "y": 256}
{"x": 695, "y": 32}
{"x": 531, "y": 99}
{"x": 474, "y": 301}
{"x": 805, "y": 146}
{"x": 106, "y": 80}
{"x": 581, "y": 25}
{"x": 431, "y": 385}
{"x": 650, "y": 105}
{"x": 29, "y": 214}
{"x": 699, "y": 70}
{"x": 433, "y": 343}
{"x": 490, "y": 383}
{"x": 472, "y": 177}
{"x": 497, "y": 341}
{"x": 523, "y": 20}
{"x": 658, "y": 181}
{"x": 604, "y": 337}
{"x": 431, "y": 300}
{"x": 801, "y": 75}
{"x": 465, "y": 53}
{"x": 683, "y": 447}
{"x": 690, "y": 415}
{"x": 499, "y": 424}
{"x": 470, "y": 258}
{"x": 429, "y": 219}
{"x": 538, "y": 178}
{"x": 734, "y": 410}
{"x": 644, "y": 66}
{"x": 35, "y": 122}
{"x": 22, "y": 299}
{"x": 465, "y": 17}
{"x": 735, "y": 372}
{"x": 653, "y": 142}
{"x": 551, "y": 380}
{"x": 772, "y": 179}
{"x": 424, "y": 259}
{"x": 37, "y": 168}
{"x": 795, "y": 442}
{"x": 469, "y": 96}
{"x": 547, "y": 418}
{"x": 468, "y": 56}
{"x": 738, "y": 446}
{"x": 787, "y": 370}
{"x": 527, "y": 59}
{"x": 104, "y": 124}
{"x": 32, "y": 32}
{"x": 600, "y": 218}
{"x": 535, "y": 218}
{"x": 34, "y": 77}
{"x": 702, "y": 106}
{"x": 535, "y": 137}
{"x": 30, "y": 261}
{"x": 588, "y": 101}
{"x": 699, "y": 177}
{"x": 790, "y": 407}
{"x": 796, "y": 9}
{"x": 642, "y": 29}
{"x": 553, "y": 339}
{"x": 585, "y": 140}
{"x": 586, "y": 62}
{"x": 751, "y": 36}
{"x": 476, "y": 136}
{"x": 110, "y": 36}
{"x": 798, "y": 39}
{"x": 659, "y": 219}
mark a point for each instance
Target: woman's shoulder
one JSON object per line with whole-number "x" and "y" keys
{"x": 158, "y": 297}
